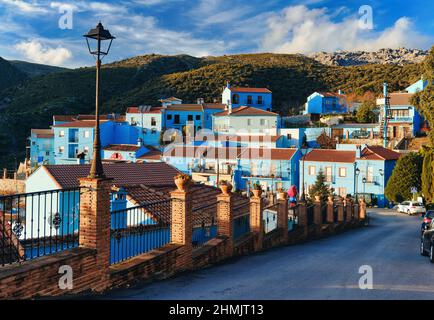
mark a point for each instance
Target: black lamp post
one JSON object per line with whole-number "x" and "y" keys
{"x": 99, "y": 34}
{"x": 364, "y": 186}
{"x": 357, "y": 183}
{"x": 303, "y": 194}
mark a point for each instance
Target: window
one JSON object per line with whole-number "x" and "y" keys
{"x": 61, "y": 149}
{"x": 47, "y": 153}
{"x": 235, "y": 99}
{"x": 169, "y": 117}
{"x": 249, "y": 100}
{"x": 190, "y": 117}
{"x": 176, "y": 121}
{"x": 61, "y": 133}
{"x": 86, "y": 149}
{"x": 328, "y": 174}
{"x": 260, "y": 101}
{"x": 249, "y": 122}
{"x": 262, "y": 122}
{"x": 86, "y": 134}
{"x": 312, "y": 170}
{"x": 198, "y": 117}
{"x": 133, "y": 120}
{"x": 153, "y": 121}
{"x": 288, "y": 136}
{"x": 342, "y": 172}
{"x": 153, "y": 131}
{"x": 370, "y": 174}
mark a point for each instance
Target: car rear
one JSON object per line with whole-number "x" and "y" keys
{"x": 416, "y": 207}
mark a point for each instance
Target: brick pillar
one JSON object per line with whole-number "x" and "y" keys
{"x": 302, "y": 217}
{"x": 340, "y": 205}
{"x": 257, "y": 220}
{"x": 282, "y": 215}
{"x": 330, "y": 210}
{"x": 95, "y": 225}
{"x": 349, "y": 208}
{"x": 362, "y": 209}
{"x": 5, "y": 174}
{"x": 225, "y": 219}
{"x": 181, "y": 229}
{"x": 317, "y": 217}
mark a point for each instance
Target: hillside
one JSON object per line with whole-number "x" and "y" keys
{"x": 145, "y": 79}
{"x": 35, "y": 69}
{"x": 9, "y": 75}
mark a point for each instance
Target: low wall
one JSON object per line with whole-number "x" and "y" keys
{"x": 40, "y": 277}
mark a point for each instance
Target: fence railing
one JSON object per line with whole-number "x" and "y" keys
{"x": 292, "y": 217}
{"x": 204, "y": 225}
{"x": 324, "y": 213}
{"x": 241, "y": 223}
{"x": 140, "y": 229}
{"x": 310, "y": 214}
{"x": 270, "y": 218}
{"x": 38, "y": 224}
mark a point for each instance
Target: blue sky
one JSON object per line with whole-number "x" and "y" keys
{"x": 29, "y": 29}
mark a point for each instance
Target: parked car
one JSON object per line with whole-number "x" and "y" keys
{"x": 411, "y": 207}
{"x": 427, "y": 218}
{"x": 427, "y": 244}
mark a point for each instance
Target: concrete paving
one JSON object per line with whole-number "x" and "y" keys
{"x": 322, "y": 269}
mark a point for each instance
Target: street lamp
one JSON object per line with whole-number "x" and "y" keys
{"x": 303, "y": 195}
{"x": 99, "y": 34}
{"x": 357, "y": 183}
{"x": 364, "y": 186}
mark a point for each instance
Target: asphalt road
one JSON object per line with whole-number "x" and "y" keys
{"x": 322, "y": 269}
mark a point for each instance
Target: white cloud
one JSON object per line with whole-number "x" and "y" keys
{"x": 36, "y": 51}
{"x": 25, "y": 7}
{"x": 298, "y": 29}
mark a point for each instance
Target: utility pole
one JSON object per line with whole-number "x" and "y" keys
{"x": 386, "y": 112}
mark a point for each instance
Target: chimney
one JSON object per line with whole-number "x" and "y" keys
{"x": 139, "y": 142}
{"x": 229, "y": 105}
{"x": 340, "y": 92}
{"x": 358, "y": 152}
{"x": 80, "y": 158}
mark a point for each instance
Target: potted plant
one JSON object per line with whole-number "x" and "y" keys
{"x": 182, "y": 181}
{"x": 257, "y": 189}
{"x": 225, "y": 187}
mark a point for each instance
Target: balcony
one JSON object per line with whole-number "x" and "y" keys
{"x": 400, "y": 119}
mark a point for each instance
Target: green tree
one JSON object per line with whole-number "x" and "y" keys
{"x": 427, "y": 174}
{"x": 321, "y": 188}
{"x": 424, "y": 100}
{"x": 365, "y": 113}
{"x": 406, "y": 175}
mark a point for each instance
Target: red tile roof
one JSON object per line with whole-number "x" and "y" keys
{"x": 247, "y": 90}
{"x": 123, "y": 174}
{"x": 185, "y": 107}
{"x": 245, "y": 111}
{"x": 323, "y": 155}
{"x": 122, "y": 147}
{"x": 43, "y": 133}
{"x": 78, "y": 124}
{"x": 151, "y": 155}
{"x": 137, "y": 110}
{"x": 214, "y": 105}
{"x": 231, "y": 153}
{"x": 379, "y": 153}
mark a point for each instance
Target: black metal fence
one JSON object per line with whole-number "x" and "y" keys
{"x": 204, "y": 224}
{"x": 310, "y": 213}
{"x": 292, "y": 217}
{"x": 140, "y": 229}
{"x": 38, "y": 224}
{"x": 270, "y": 218}
{"x": 241, "y": 223}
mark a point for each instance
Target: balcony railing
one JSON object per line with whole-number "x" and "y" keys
{"x": 401, "y": 119}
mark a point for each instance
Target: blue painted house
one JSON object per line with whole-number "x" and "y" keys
{"x": 260, "y": 98}
{"x": 148, "y": 122}
{"x": 351, "y": 169}
{"x": 326, "y": 103}
{"x": 41, "y": 147}
{"x": 273, "y": 168}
